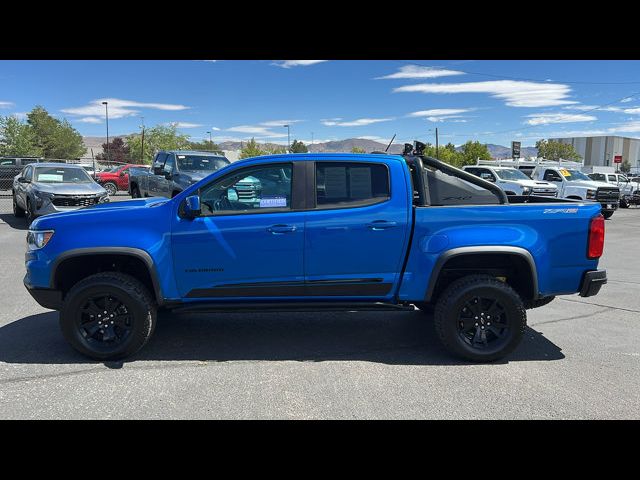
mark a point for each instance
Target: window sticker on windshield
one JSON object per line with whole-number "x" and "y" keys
{"x": 273, "y": 202}
{"x": 49, "y": 177}
{"x": 181, "y": 156}
{"x": 564, "y": 172}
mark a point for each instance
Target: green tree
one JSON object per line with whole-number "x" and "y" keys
{"x": 205, "y": 146}
{"x": 471, "y": 151}
{"x": 251, "y": 149}
{"x": 160, "y": 137}
{"x": 273, "y": 150}
{"x": 56, "y": 138}
{"x": 118, "y": 151}
{"x": 626, "y": 166}
{"x": 551, "y": 150}
{"x": 358, "y": 150}
{"x": 298, "y": 147}
{"x": 17, "y": 138}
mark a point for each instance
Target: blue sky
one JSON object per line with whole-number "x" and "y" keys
{"x": 491, "y": 101}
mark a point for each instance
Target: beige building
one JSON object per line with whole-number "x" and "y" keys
{"x": 600, "y": 151}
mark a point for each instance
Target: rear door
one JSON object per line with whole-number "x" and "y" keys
{"x": 357, "y": 228}
{"x": 156, "y": 176}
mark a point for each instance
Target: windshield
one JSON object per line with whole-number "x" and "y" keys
{"x": 511, "y": 174}
{"x": 574, "y": 175}
{"x": 61, "y": 175}
{"x": 198, "y": 162}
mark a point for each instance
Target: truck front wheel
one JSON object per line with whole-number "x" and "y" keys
{"x": 480, "y": 318}
{"x": 108, "y": 316}
{"x": 607, "y": 215}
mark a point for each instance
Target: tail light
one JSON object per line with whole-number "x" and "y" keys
{"x": 596, "y": 237}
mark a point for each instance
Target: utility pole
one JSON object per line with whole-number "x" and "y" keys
{"x": 437, "y": 154}
{"x": 311, "y": 138}
{"x": 288, "y": 139}
{"x": 142, "y": 154}
{"x": 106, "y": 111}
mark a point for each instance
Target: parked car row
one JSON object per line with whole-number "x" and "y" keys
{"x": 558, "y": 179}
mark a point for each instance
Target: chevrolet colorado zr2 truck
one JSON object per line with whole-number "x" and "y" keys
{"x": 332, "y": 232}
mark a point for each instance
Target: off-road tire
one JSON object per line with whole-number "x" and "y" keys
{"x": 607, "y": 215}
{"x": 127, "y": 289}
{"x": 135, "y": 192}
{"x": 454, "y": 299}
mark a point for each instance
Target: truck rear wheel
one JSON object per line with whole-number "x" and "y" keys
{"x": 480, "y": 318}
{"x": 135, "y": 192}
{"x": 607, "y": 215}
{"x": 108, "y": 316}
{"x": 624, "y": 203}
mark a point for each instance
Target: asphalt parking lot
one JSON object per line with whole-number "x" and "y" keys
{"x": 580, "y": 359}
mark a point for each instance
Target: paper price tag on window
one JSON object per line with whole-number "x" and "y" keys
{"x": 564, "y": 172}
{"x": 273, "y": 202}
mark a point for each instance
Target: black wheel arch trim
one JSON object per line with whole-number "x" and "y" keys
{"x": 478, "y": 250}
{"x": 132, "y": 252}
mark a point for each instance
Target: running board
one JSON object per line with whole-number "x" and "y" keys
{"x": 220, "y": 307}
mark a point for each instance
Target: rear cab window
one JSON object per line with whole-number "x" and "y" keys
{"x": 351, "y": 184}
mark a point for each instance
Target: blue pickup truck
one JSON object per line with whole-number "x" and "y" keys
{"x": 327, "y": 232}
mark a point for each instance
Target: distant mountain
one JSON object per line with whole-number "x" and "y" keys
{"x": 336, "y": 146}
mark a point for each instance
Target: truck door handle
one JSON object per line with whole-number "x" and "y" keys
{"x": 381, "y": 225}
{"x": 281, "y": 229}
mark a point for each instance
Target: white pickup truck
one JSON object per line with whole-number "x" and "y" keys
{"x": 574, "y": 184}
{"x": 628, "y": 189}
{"x": 513, "y": 181}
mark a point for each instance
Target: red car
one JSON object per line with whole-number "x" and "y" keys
{"x": 116, "y": 179}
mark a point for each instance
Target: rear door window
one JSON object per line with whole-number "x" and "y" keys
{"x": 344, "y": 184}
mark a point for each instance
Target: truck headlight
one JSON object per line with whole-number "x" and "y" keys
{"x": 37, "y": 239}
{"x": 591, "y": 194}
{"x": 526, "y": 190}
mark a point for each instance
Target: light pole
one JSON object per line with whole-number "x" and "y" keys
{"x": 142, "y": 154}
{"x": 106, "y": 111}
{"x": 311, "y": 138}
{"x": 437, "y": 154}
{"x": 288, "y": 139}
{"x": 210, "y": 141}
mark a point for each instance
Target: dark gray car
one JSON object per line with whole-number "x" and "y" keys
{"x": 44, "y": 188}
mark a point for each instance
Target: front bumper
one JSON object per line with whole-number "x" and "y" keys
{"x": 592, "y": 282}
{"x": 46, "y": 297}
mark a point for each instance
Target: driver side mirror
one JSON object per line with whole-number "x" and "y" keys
{"x": 122, "y": 174}
{"x": 23, "y": 180}
{"x": 157, "y": 170}
{"x": 192, "y": 206}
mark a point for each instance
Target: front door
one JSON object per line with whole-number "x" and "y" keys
{"x": 357, "y": 234}
{"x": 248, "y": 241}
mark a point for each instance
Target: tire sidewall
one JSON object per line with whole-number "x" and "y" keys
{"x": 111, "y": 188}
{"x": 143, "y": 321}
{"x": 513, "y": 312}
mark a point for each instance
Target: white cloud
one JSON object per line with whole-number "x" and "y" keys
{"x": 436, "y": 112}
{"x": 90, "y": 120}
{"x": 215, "y": 129}
{"x": 184, "y": 124}
{"x": 415, "y": 71}
{"x": 256, "y": 130}
{"x": 515, "y": 93}
{"x": 296, "y": 63}
{"x": 445, "y": 118}
{"x": 119, "y": 108}
{"x": 625, "y": 100}
{"x": 547, "y": 118}
{"x": 279, "y": 123}
{"x": 6, "y": 104}
{"x": 355, "y": 123}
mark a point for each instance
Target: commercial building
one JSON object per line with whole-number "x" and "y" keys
{"x": 601, "y": 151}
